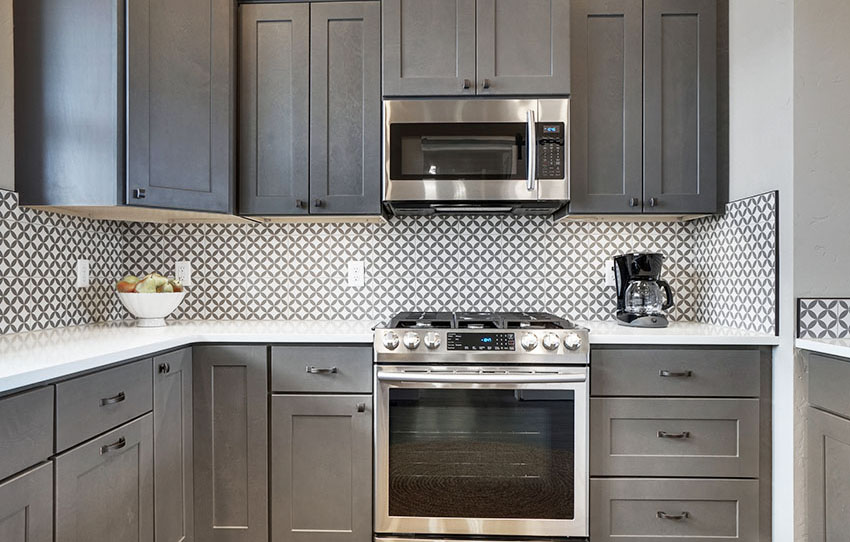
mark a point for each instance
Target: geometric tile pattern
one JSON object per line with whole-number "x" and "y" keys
{"x": 823, "y": 318}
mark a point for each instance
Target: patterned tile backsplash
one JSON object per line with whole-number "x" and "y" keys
{"x": 823, "y": 318}
{"x": 722, "y": 269}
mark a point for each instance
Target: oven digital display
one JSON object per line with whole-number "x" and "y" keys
{"x": 481, "y": 341}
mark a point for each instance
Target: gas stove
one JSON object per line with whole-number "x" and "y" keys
{"x": 481, "y": 337}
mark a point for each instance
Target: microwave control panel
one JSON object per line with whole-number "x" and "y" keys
{"x": 550, "y": 150}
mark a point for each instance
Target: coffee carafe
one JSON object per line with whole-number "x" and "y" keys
{"x": 642, "y": 297}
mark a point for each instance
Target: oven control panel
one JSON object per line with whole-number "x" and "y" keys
{"x": 550, "y": 150}
{"x": 481, "y": 341}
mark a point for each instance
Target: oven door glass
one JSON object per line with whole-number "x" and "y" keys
{"x": 459, "y": 151}
{"x": 482, "y": 453}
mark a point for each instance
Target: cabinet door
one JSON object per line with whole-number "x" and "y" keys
{"x": 828, "y": 476}
{"x": 172, "y": 439}
{"x": 230, "y": 396}
{"x": 26, "y": 506}
{"x": 274, "y": 89}
{"x": 429, "y": 47}
{"x": 345, "y": 108}
{"x": 523, "y": 47}
{"x": 104, "y": 488}
{"x": 680, "y": 106}
{"x": 321, "y": 468}
{"x": 179, "y": 104}
{"x": 606, "y": 106}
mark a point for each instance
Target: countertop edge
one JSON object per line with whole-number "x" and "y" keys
{"x": 822, "y": 346}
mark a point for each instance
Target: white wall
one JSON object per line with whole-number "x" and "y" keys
{"x": 822, "y": 148}
{"x": 761, "y": 159}
{"x": 7, "y": 141}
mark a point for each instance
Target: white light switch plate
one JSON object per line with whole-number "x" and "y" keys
{"x": 610, "y": 278}
{"x": 183, "y": 272}
{"x": 356, "y": 274}
{"x": 83, "y": 278}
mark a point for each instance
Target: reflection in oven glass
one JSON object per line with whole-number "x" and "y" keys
{"x": 503, "y": 454}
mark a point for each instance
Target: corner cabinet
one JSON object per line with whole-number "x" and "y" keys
{"x": 310, "y": 108}
{"x": 469, "y": 47}
{"x": 644, "y": 107}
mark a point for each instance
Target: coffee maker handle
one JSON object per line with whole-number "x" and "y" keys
{"x": 669, "y": 292}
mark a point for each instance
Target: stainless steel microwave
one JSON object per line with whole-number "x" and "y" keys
{"x": 484, "y": 156}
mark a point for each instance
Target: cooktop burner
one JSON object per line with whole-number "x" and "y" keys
{"x": 479, "y": 320}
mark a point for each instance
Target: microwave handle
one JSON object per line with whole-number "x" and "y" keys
{"x": 532, "y": 150}
{"x": 430, "y": 378}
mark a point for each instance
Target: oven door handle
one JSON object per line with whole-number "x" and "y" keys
{"x": 538, "y": 378}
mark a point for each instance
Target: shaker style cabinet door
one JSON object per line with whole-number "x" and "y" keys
{"x": 230, "y": 396}
{"x": 680, "y": 106}
{"x": 523, "y": 47}
{"x": 321, "y": 468}
{"x": 26, "y": 506}
{"x": 179, "y": 104}
{"x": 606, "y": 106}
{"x": 827, "y": 476}
{"x": 429, "y": 47}
{"x": 172, "y": 440}
{"x": 345, "y": 108}
{"x": 274, "y": 90}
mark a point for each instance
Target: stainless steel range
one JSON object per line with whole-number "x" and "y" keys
{"x": 481, "y": 426}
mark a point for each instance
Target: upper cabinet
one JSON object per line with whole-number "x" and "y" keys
{"x": 310, "y": 109}
{"x": 643, "y": 107}
{"x": 469, "y": 47}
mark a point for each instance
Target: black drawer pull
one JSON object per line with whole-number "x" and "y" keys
{"x": 164, "y": 368}
{"x": 322, "y": 370}
{"x": 674, "y": 517}
{"x": 112, "y": 400}
{"x": 361, "y": 407}
{"x": 117, "y": 445}
{"x": 672, "y": 374}
{"x": 665, "y": 434}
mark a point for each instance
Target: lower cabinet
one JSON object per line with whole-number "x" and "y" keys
{"x": 230, "y": 401}
{"x": 104, "y": 488}
{"x": 321, "y": 468}
{"x": 26, "y": 506}
{"x": 828, "y": 476}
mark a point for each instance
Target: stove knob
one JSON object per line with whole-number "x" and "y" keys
{"x": 529, "y": 341}
{"x": 551, "y": 341}
{"x": 572, "y": 341}
{"x": 411, "y": 340}
{"x": 432, "y": 340}
{"x": 391, "y": 340}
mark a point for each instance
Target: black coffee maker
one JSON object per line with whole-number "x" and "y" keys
{"x": 639, "y": 299}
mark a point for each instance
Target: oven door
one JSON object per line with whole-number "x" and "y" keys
{"x": 481, "y": 451}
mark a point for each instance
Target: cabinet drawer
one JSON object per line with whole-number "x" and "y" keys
{"x": 90, "y": 405}
{"x": 332, "y": 369}
{"x": 26, "y": 430}
{"x": 683, "y": 510}
{"x": 674, "y": 437}
{"x": 675, "y": 372}
{"x": 829, "y": 379}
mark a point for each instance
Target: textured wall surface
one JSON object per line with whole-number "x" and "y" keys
{"x": 7, "y": 141}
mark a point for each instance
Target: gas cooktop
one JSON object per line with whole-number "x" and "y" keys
{"x": 479, "y": 320}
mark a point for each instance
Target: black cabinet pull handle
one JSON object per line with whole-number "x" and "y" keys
{"x": 117, "y": 445}
{"x": 322, "y": 370}
{"x": 320, "y": 203}
{"x": 164, "y": 368}
{"x": 467, "y": 84}
{"x": 112, "y": 400}
{"x": 361, "y": 407}
{"x": 634, "y": 202}
{"x": 653, "y": 202}
{"x": 486, "y": 84}
{"x": 139, "y": 193}
{"x": 674, "y": 517}
{"x": 682, "y": 435}
{"x": 672, "y": 374}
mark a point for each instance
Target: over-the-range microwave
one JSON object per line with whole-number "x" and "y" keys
{"x": 476, "y": 156}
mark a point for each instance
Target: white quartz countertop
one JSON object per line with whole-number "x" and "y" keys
{"x": 29, "y": 358}
{"x": 834, "y": 347}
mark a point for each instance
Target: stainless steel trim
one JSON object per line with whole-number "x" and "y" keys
{"x": 462, "y": 209}
{"x": 536, "y": 378}
{"x": 532, "y": 151}
{"x": 396, "y": 539}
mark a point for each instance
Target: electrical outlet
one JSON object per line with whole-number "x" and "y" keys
{"x": 183, "y": 272}
{"x": 610, "y": 279}
{"x": 356, "y": 274}
{"x": 83, "y": 278}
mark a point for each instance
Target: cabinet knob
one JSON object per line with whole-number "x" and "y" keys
{"x": 139, "y": 193}
{"x": 299, "y": 204}
{"x": 361, "y": 407}
{"x": 319, "y": 203}
{"x": 653, "y": 202}
{"x": 634, "y": 202}
{"x": 164, "y": 368}
{"x": 486, "y": 84}
{"x": 467, "y": 84}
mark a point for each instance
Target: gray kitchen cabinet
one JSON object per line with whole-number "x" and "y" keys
{"x": 26, "y": 506}
{"x": 104, "y": 488}
{"x": 230, "y": 401}
{"x": 523, "y": 47}
{"x": 429, "y": 47}
{"x": 180, "y": 111}
{"x": 345, "y": 108}
{"x": 606, "y": 106}
{"x": 680, "y": 106}
{"x": 330, "y": 369}
{"x": 274, "y": 118}
{"x": 172, "y": 446}
{"x": 26, "y": 430}
{"x": 828, "y": 476}
{"x": 321, "y": 468}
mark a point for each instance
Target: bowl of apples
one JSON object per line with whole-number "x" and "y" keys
{"x": 150, "y": 298}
